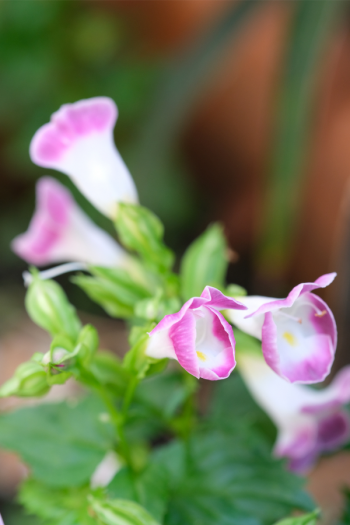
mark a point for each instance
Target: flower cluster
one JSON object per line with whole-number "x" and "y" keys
{"x": 298, "y": 333}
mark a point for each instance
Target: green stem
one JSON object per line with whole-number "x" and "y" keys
{"x": 118, "y": 420}
{"x": 129, "y": 395}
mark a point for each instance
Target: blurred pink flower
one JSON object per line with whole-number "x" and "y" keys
{"x": 60, "y": 231}
{"x": 308, "y": 421}
{"x": 299, "y": 334}
{"x": 79, "y": 142}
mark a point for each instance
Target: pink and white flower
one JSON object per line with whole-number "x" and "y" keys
{"x": 198, "y": 336}
{"x": 78, "y": 141}
{"x": 299, "y": 334}
{"x": 309, "y": 421}
{"x": 61, "y": 231}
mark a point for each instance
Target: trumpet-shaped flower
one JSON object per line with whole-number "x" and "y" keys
{"x": 79, "y": 142}
{"x": 198, "y": 336}
{"x": 299, "y": 334}
{"x": 308, "y": 421}
{"x": 60, "y": 231}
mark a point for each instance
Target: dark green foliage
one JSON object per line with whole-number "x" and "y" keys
{"x": 61, "y": 443}
{"x": 218, "y": 476}
{"x": 204, "y": 263}
{"x": 345, "y": 519}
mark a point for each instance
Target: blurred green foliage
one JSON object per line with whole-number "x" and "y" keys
{"x": 52, "y": 53}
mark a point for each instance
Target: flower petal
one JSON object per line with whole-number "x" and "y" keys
{"x": 79, "y": 142}
{"x": 60, "y": 231}
{"x": 308, "y": 420}
{"x": 215, "y": 344}
{"x": 218, "y": 300}
{"x": 183, "y": 337}
{"x": 251, "y": 325}
{"x": 302, "y": 288}
{"x": 300, "y": 351}
{"x": 333, "y": 430}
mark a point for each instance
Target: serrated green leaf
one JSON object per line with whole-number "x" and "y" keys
{"x": 204, "y": 263}
{"x": 305, "y": 519}
{"x": 121, "y": 512}
{"x": 56, "y": 506}
{"x": 62, "y": 444}
{"x": 48, "y": 306}
{"x": 140, "y": 230}
{"x": 223, "y": 476}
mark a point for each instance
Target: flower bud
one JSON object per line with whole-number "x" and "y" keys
{"x": 48, "y": 307}
{"x": 29, "y": 380}
{"x": 140, "y": 230}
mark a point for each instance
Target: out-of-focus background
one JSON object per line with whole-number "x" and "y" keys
{"x": 237, "y": 111}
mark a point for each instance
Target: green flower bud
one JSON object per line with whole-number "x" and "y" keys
{"x": 140, "y": 230}
{"x": 48, "y": 307}
{"x": 88, "y": 342}
{"x": 29, "y": 380}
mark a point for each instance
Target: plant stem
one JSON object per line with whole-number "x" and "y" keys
{"x": 129, "y": 395}
{"x": 118, "y": 420}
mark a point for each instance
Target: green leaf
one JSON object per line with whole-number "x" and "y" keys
{"x": 225, "y": 476}
{"x": 133, "y": 284}
{"x": 204, "y": 263}
{"x": 56, "y": 506}
{"x": 109, "y": 371}
{"x": 62, "y": 444}
{"x": 150, "y": 488}
{"x": 164, "y": 394}
{"x": 245, "y": 412}
{"x": 105, "y": 294}
{"x": 121, "y": 512}
{"x": 246, "y": 343}
{"x": 305, "y": 519}
{"x": 48, "y": 306}
{"x": 140, "y": 230}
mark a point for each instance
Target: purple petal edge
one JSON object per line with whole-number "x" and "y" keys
{"x": 293, "y": 295}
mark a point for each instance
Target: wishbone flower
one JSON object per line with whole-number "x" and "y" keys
{"x": 198, "y": 336}
{"x": 60, "y": 231}
{"x": 309, "y": 421}
{"x": 299, "y": 334}
{"x": 79, "y": 142}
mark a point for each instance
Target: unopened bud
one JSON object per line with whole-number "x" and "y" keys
{"x": 48, "y": 306}
{"x": 29, "y": 380}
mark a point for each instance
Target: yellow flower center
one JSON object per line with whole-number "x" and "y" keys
{"x": 290, "y": 338}
{"x": 201, "y": 356}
